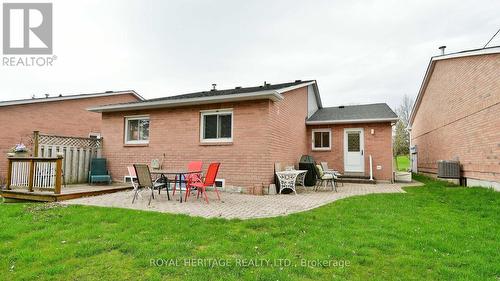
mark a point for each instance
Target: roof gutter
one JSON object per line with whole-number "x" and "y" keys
{"x": 352, "y": 121}
{"x": 313, "y": 83}
{"x": 291, "y": 88}
{"x": 484, "y": 51}
{"x": 70, "y": 97}
{"x": 318, "y": 96}
{"x": 430, "y": 69}
{"x": 423, "y": 86}
{"x": 271, "y": 95}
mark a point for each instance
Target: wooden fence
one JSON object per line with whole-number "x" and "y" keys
{"x": 42, "y": 174}
{"x": 76, "y": 154}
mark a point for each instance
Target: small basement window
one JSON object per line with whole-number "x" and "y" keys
{"x": 321, "y": 139}
{"x": 216, "y": 126}
{"x": 137, "y": 130}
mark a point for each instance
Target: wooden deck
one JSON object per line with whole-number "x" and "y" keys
{"x": 67, "y": 192}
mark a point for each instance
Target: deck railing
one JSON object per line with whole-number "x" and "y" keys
{"x": 40, "y": 173}
{"x": 78, "y": 152}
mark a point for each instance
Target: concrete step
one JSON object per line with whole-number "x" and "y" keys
{"x": 354, "y": 176}
{"x": 356, "y": 180}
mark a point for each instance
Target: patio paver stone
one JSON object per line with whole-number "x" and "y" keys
{"x": 241, "y": 206}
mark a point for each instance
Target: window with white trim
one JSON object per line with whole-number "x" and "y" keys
{"x": 216, "y": 126}
{"x": 137, "y": 130}
{"x": 321, "y": 139}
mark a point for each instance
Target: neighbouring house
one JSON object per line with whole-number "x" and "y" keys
{"x": 58, "y": 115}
{"x": 248, "y": 129}
{"x": 456, "y": 116}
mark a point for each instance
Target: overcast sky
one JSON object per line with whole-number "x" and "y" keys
{"x": 359, "y": 52}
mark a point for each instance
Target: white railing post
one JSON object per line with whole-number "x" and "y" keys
{"x": 371, "y": 168}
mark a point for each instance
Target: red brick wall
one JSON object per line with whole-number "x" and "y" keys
{"x": 69, "y": 118}
{"x": 264, "y": 132}
{"x": 287, "y": 125}
{"x": 175, "y": 133}
{"x": 379, "y": 145}
{"x": 459, "y": 117}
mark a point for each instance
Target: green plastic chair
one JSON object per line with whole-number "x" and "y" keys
{"x": 98, "y": 171}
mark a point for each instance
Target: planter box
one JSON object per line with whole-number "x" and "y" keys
{"x": 18, "y": 154}
{"x": 402, "y": 177}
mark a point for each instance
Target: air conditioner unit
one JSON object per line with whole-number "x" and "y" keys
{"x": 448, "y": 169}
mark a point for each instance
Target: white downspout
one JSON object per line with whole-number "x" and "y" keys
{"x": 371, "y": 168}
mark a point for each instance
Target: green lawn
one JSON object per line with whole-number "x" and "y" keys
{"x": 403, "y": 162}
{"x": 431, "y": 232}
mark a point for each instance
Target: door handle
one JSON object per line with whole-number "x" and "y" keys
{"x": 362, "y": 152}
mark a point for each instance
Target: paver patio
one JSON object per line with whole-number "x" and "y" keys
{"x": 241, "y": 206}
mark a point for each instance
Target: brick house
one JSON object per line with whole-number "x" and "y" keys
{"x": 61, "y": 115}
{"x": 248, "y": 130}
{"x": 456, "y": 116}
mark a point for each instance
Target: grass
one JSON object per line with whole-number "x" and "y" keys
{"x": 403, "y": 162}
{"x": 432, "y": 232}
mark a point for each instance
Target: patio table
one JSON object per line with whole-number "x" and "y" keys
{"x": 288, "y": 179}
{"x": 176, "y": 172}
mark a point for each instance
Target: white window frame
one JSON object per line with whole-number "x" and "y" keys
{"x": 329, "y": 131}
{"x": 136, "y": 117}
{"x": 204, "y": 113}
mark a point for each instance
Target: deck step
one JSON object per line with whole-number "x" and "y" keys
{"x": 67, "y": 193}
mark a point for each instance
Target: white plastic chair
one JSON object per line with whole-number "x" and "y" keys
{"x": 133, "y": 180}
{"x": 334, "y": 173}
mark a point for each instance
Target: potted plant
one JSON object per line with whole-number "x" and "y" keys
{"x": 19, "y": 150}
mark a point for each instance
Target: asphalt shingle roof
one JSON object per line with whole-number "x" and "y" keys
{"x": 237, "y": 90}
{"x": 62, "y": 97}
{"x": 353, "y": 112}
{"x": 233, "y": 91}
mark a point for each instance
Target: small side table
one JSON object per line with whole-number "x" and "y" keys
{"x": 288, "y": 179}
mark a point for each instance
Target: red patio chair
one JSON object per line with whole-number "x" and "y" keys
{"x": 212, "y": 171}
{"x": 192, "y": 167}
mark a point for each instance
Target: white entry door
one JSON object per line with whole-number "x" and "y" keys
{"x": 354, "y": 150}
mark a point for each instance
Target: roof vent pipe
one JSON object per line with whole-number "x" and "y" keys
{"x": 214, "y": 87}
{"x": 442, "y": 50}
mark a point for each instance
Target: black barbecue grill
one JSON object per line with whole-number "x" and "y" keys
{"x": 307, "y": 163}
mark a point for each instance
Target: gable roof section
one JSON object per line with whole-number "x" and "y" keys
{"x": 69, "y": 97}
{"x": 432, "y": 64}
{"x": 273, "y": 92}
{"x": 365, "y": 113}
